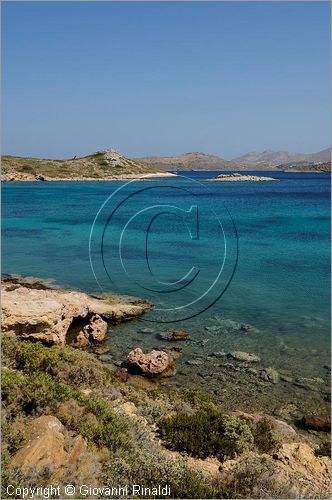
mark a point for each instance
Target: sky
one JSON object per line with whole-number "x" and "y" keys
{"x": 165, "y": 78}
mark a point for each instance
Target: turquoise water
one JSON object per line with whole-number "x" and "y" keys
{"x": 280, "y": 285}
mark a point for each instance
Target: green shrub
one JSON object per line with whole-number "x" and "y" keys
{"x": 265, "y": 436}
{"x": 256, "y": 477}
{"x": 68, "y": 365}
{"x": 206, "y": 433}
{"x": 155, "y": 467}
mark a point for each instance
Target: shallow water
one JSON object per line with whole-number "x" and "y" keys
{"x": 280, "y": 286}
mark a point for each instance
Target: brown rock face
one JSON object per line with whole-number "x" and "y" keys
{"x": 152, "y": 364}
{"x": 48, "y": 315}
{"x": 317, "y": 422}
{"x": 94, "y": 331}
{"x": 46, "y": 446}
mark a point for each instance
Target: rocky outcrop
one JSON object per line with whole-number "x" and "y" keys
{"x": 300, "y": 459}
{"x": 52, "y": 316}
{"x": 94, "y": 331}
{"x": 293, "y": 472}
{"x": 152, "y": 364}
{"x": 47, "y": 446}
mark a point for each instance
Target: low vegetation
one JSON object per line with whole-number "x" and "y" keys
{"x": 88, "y": 399}
{"x": 207, "y": 433}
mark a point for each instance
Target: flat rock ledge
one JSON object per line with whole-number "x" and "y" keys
{"x": 235, "y": 177}
{"x": 36, "y": 312}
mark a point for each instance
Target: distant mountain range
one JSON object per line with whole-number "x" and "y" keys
{"x": 251, "y": 161}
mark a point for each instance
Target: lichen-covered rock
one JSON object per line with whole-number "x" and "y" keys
{"x": 152, "y": 364}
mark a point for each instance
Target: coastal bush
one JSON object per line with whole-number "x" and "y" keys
{"x": 68, "y": 365}
{"x": 42, "y": 386}
{"x": 257, "y": 477}
{"x": 266, "y": 437}
{"x": 155, "y": 467}
{"x": 206, "y": 433}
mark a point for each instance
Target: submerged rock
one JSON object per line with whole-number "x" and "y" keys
{"x": 219, "y": 354}
{"x": 174, "y": 335}
{"x": 270, "y": 375}
{"x": 145, "y": 330}
{"x": 244, "y": 356}
{"x": 194, "y": 362}
{"x": 152, "y": 364}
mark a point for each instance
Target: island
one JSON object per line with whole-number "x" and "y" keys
{"x": 236, "y": 177}
{"x": 100, "y": 166}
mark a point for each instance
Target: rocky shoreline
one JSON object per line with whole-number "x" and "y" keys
{"x": 34, "y": 311}
{"x": 21, "y": 177}
{"x": 45, "y": 331}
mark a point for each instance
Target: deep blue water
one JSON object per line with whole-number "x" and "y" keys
{"x": 281, "y": 281}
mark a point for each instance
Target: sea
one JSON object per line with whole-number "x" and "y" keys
{"x": 240, "y": 266}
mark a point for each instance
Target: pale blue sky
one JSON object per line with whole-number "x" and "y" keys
{"x": 165, "y": 78}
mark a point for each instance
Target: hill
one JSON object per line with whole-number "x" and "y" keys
{"x": 108, "y": 164}
{"x": 308, "y": 167}
{"x": 253, "y": 160}
{"x": 187, "y": 161}
{"x": 275, "y": 159}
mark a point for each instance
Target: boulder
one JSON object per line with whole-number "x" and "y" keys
{"x": 96, "y": 329}
{"x": 152, "y": 364}
{"x": 317, "y": 422}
